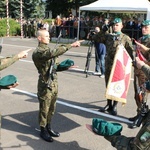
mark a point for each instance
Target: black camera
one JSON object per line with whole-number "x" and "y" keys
{"x": 106, "y": 27}
{"x": 91, "y": 33}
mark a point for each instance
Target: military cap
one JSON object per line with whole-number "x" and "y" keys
{"x": 146, "y": 22}
{"x": 105, "y": 128}
{"x": 65, "y": 64}
{"x": 117, "y": 20}
{"x": 8, "y": 80}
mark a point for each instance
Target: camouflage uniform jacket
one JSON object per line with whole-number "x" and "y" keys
{"x": 140, "y": 142}
{"x": 146, "y": 42}
{"x": 138, "y": 72}
{"x": 42, "y": 58}
{"x": 112, "y": 41}
{"x": 146, "y": 70}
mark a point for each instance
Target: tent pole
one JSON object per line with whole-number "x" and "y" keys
{"x": 78, "y": 25}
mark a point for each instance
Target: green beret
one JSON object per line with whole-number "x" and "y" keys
{"x": 8, "y": 80}
{"x": 65, "y": 65}
{"x": 105, "y": 128}
{"x": 146, "y": 22}
{"x": 117, "y": 20}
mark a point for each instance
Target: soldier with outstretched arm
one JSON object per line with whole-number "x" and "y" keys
{"x": 47, "y": 89}
{"x": 7, "y": 61}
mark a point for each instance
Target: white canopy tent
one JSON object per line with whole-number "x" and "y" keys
{"x": 119, "y": 6}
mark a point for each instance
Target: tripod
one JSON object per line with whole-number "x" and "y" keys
{"x": 88, "y": 59}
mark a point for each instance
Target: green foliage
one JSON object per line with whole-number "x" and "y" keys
{"x": 31, "y": 8}
{"x": 64, "y": 7}
{"x": 14, "y": 27}
{"x": 48, "y": 20}
{"x": 34, "y": 9}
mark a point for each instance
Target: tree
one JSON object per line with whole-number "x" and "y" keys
{"x": 64, "y": 7}
{"x": 3, "y": 9}
{"x": 34, "y": 9}
{"x": 31, "y": 8}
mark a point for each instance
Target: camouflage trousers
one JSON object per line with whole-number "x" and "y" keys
{"x": 47, "y": 102}
{"x": 140, "y": 142}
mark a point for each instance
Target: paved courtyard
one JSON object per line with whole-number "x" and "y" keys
{"x": 78, "y": 102}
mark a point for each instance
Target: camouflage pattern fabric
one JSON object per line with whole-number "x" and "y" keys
{"x": 47, "y": 94}
{"x": 140, "y": 142}
{"x": 112, "y": 41}
{"x": 139, "y": 76}
{"x": 5, "y": 62}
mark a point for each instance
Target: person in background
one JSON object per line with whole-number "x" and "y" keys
{"x": 46, "y": 26}
{"x": 58, "y": 23}
{"x": 100, "y": 53}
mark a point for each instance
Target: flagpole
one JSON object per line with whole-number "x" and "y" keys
{"x": 21, "y": 23}
{"x": 7, "y": 13}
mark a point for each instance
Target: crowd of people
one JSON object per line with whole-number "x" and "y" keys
{"x": 69, "y": 26}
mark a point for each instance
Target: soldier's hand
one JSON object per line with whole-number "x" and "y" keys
{"x": 23, "y": 54}
{"x": 13, "y": 86}
{"x": 139, "y": 63}
{"x": 77, "y": 43}
{"x": 74, "y": 66}
{"x": 141, "y": 47}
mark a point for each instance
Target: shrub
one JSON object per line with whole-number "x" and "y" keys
{"x": 13, "y": 30}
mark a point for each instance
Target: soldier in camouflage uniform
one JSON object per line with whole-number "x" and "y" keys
{"x": 142, "y": 140}
{"x": 112, "y": 41}
{"x": 139, "y": 76}
{"x": 6, "y": 62}
{"x": 47, "y": 93}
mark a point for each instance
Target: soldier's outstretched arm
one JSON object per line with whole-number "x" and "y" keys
{"x": 77, "y": 43}
{"x": 6, "y": 62}
{"x": 141, "y": 47}
{"x": 23, "y": 54}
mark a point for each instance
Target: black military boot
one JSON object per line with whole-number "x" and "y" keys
{"x": 108, "y": 107}
{"x": 45, "y": 135}
{"x": 51, "y": 132}
{"x": 134, "y": 118}
{"x": 114, "y": 108}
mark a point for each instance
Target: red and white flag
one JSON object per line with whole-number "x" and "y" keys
{"x": 120, "y": 76}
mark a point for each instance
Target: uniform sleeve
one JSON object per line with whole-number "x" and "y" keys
{"x": 6, "y": 62}
{"x": 129, "y": 47}
{"x": 148, "y": 51}
{"x": 146, "y": 69}
{"x": 49, "y": 54}
{"x": 100, "y": 37}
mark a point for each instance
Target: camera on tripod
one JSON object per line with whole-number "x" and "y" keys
{"x": 91, "y": 33}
